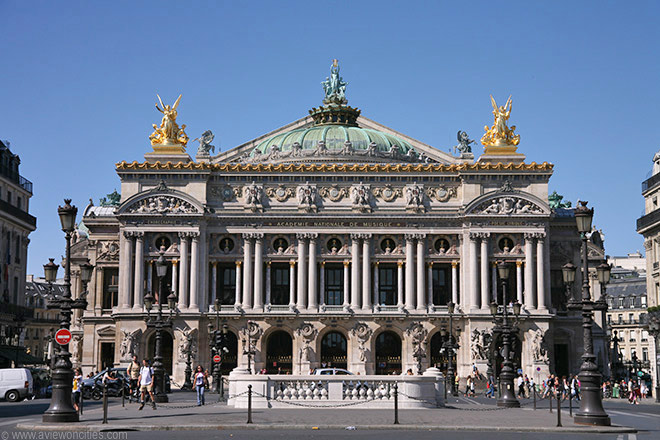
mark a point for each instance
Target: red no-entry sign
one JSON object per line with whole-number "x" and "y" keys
{"x": 217, "y": 358}
{"x": 63, "y": 336}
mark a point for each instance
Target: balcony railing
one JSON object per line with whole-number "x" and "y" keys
{"x": 16, "y": 178}
{"x": 18, "y": 213}
{"x": 649, "y": 219}
{"x": 650, "y": 182}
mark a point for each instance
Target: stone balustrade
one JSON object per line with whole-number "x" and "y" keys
{"x": 365, "y": 391}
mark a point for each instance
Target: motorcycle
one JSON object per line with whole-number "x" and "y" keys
{"x": 114, "y": 389}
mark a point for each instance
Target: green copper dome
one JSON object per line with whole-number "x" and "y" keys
{"x": 335, "y": 138}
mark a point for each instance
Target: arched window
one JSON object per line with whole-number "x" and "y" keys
{"x": 388, "y": 353}
{"x": 279, "y": 353}
{"x": 333, "y": 350}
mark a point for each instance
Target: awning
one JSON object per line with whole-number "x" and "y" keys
{"x": 13, "y": 354}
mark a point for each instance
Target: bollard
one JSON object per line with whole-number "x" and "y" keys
{"x": 534, "y": 391}
{"x": 396, "y": 403}
{"x": 570, "y": 406}
{"x": 550, "y": 400}
{"x": 249, "y": 420}
{"x": 558, "y": 410}
{"x": 82, "y": 397}
{"x": 123, "y": 388}
{"x": 105, "y": 404}
{"x": 445, "y": 388}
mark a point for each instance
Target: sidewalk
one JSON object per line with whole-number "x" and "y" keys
{"x": 184, "y": 415}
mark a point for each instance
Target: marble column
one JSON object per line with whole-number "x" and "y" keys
{"x": 421, "y": 284}
{"x": 194, "y": 272}
{"x": 302, "y": 272}
{"x": 376, "y": 283}
{"x": 454, "y": 282}
{"x": 485, "y": 291}
{"x": 355, "y": 271}
{"x": 214, "y": 282}
{"x": 239, "y": 283}
{"x": 519, "y": 282}
{"x": 347, "y": 285}
{"x": 138, "y": 288}
{"x": 183, "y": 270}
{"x": 429, "y": 285}
{"x": 530, "y": 291}
{"x": 541, "y": 297}
{"x": 399, "y": 285}
{"x": 125, "y": 270}
{"x": 493, "y": 281}
{"x": 322, "y": 283}
{"x": 312, "y": 294}
{"x": 292, "y": 284}
{"x": 248, "y": 280}
{"x": 474, "y": 274}
{"x": 410, "y": 272}
{"x": 150, "y": 274}
{"x": 258, "y": 273}
{"x": 268, "y": 281}
{"x": 366, "y": 272}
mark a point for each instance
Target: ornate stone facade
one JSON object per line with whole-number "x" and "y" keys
{"x": 345, "y": 258}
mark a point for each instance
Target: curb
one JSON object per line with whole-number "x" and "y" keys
{"x": 114, "y": 428}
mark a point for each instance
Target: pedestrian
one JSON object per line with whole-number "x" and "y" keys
{"x": 146, "y": 383}
{"x": 467, "y": 385}
{"x": 77, "y": 388}
{"x": 490, "y": 387}
{"x": 200, "y": 379}
{"x": 133, "y": 373}
{"x": 520, "y": 381}
{"x": 409, "y": 372}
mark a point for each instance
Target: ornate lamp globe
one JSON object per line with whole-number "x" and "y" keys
{"x": 50, "y": 270}
{"x": 171, "y": 301}
{"x": 148, "y": 301}
{"x": 516, "y": 308}
{"x": 568, "y": 273}
{"x": 503, "y": 270}
{"x": 604, "y": 270}
{"x": 451, "y": 307}
{"x": 67, "y": 215}
{"x": 225, "y": 329}
{"x": 493, "y": 308}
{"x": 583, "y": 217}
{"x": 86, "y": 270}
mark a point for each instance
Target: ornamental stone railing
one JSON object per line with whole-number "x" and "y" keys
{"x": 327, "y": 391}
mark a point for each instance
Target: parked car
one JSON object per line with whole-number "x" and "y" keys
{"x": 93, "y": 383}
{"x": 15, "y": 384}
{"x": 331, "y": 371}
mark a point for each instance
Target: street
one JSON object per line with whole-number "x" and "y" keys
{"x": 645, "y": 418}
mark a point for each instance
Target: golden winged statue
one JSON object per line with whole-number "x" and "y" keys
{"x": 169, "y": 132}
{"x": 500, "y": 133}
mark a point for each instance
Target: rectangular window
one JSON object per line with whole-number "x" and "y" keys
{"x": 334, "y": 284}
{"x": 279, "y": 284}
{"x": 609, "y": 319}
{"x": 645, "y": 354}
{"x": 15, "y": 292}
{"x": 621, "y": 302}
{"x": 110, "y": 287}
{"x": 441, "y": 284}
{"x": 226, "y": 284}
{"x": 620, "y": 318}
{"x": 631, "y": 318}
{"x": 643, "y": 300}
{"x": 387, "y": 284}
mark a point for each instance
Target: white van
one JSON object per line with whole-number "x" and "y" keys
{"x": 15, "y": 384}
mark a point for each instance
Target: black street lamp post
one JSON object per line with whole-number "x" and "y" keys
{"x": 506, "y": 328}
{"x": 449, "y": 347}
{"x": 591, "y": 410}
{"x": 159, "y": 324}
{"x": 249, "y": 347}
{"x": 654, "y": 330}
{"x": 19, "y": 320}
{"x": 217, "y": 340}
{"x": 61, "y": 408}
{"x": 187, "y": 383}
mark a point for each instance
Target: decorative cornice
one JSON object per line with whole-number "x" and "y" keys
{"x": 399, "y": 167}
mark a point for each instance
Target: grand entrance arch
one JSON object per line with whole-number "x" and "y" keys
{"x": 167, "y": 344}
{"x": 230, "y": 358}
{"x": 279, "y": 353}
{"x": 439, "y": 356}
{"x": 388, "y": 353}
{"x": 333, "y": 350}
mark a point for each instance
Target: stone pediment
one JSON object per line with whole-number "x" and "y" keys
{"x": 106, "y": 331}
{"x": 507, "y": 203}
{"x": 161, "y": 200}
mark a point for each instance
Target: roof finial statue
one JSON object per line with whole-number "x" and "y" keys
{"x": 500, "y": 133}
{"x": 334, "y": 86}
{"x": 169, "y": 132}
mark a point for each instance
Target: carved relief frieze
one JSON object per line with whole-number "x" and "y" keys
{"x": 334, "y": 192}
{"x": 162, "y": 204}
{"x": 307, "y": 197}
{"x": 107, "y": 251}
{"x": 361, "y": 197}
{"x": 415, "y": 198}
{"x": 225, "y": 192}
{"x": 508, "y": 205}
{"x": 253, "y": 195}
{"x": 388, "y": 193}
{"x": 280, "y": 193}
{"x": 442, "y": 193}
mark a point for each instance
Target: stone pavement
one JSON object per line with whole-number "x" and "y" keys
{"x": 183, "y": 414}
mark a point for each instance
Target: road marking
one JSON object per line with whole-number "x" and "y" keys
{"x": 14, "y": 422}
{"x": 472, "y": 401}
{"x": 632, "y": 436}
{"x": 642, "y": 415}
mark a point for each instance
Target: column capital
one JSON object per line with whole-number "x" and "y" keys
{"x": 268, "y": 263}
{"x": 355, "y": 237}
{"x": 322, "y": 263}
{"x": 494, "y": 263}
{"x": 429, "y": 264}
{"x": 214, "y": 263}
{"x": 481, "y": 235}
{"x": 519, "y": 263}
{"x": 410, "y": 237}
{"x": 239, "y": 263}
{"x": 376, "y": 263}
{"x": 292, "y": 263}
{"x": 399, "y": 263}
{"x": 346, "y": 263}
{"x": 302, "y": 236}
{"x": 194, "y": 235}
{"x": 184, "y": 235}
{"x": 537, "y": 235}
{"x": 252, "y": 235}
{"x": 174, "y": 262}
{"x": 454, "y": 263}
{"x": 131, "y": 234}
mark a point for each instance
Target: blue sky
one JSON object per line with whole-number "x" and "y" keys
{"x": 79, "y": 80}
